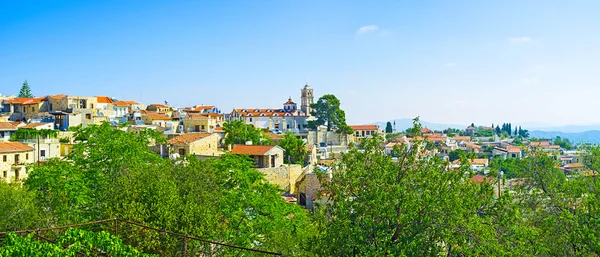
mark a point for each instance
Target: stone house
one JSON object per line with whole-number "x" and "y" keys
{"x": 14, "y": 157}
{"x": 195, "y": 143}
{"x": 264, "y": 156}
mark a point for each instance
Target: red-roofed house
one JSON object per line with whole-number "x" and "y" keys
{"x": 26, "y": 108}
{"x": 288, "y": 118}
{"x": 160, "y": 109}
{"x": 6, "y": 130}
{"x": 364, "y": 131}
{"x": 264, "y": 156}
{"x": 14, "y": 157}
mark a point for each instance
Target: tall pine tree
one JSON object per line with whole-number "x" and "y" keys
{"x": 25, "y": 91}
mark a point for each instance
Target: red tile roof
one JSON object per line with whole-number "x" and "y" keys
{"x": 26, "y": 100}
{"x": 200, "y": 116}
{"x": 188, "y": 138}
{"x": 251, "y": 149}
{"x": 34, "y": 125}
{"x": 7, "y": 126}
{"x": 199, "y": 108}
{"x": 536, "y": 144}
{"x": 513, "y": 149}
{"x": 426, "y": 130}
{"x": 364, "y": 127}
{"x": 155, "y": 116}
{"x": 61, "y": 96}
{"x": 104, "y": 100}
{"x": 480, "y": 178}
{"x": 121, "y": 104}
{"x": 12, "y": 147}
{"x": 159, "y": 105}
{"x": 256, "y": 112}
{"x": 573, "y": 166}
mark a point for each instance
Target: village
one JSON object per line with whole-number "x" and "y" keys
{"x": 199, "y": 131}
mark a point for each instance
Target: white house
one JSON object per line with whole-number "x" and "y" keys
{"x": 287, "y": 119}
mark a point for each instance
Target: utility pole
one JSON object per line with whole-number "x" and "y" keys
{"x": 499, "y": 177}
{"x": 38, "y": 149}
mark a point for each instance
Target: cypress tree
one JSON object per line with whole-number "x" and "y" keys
{"x": 25, "y": 91}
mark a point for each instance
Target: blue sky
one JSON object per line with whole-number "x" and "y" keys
{"x": 446, "y": 61}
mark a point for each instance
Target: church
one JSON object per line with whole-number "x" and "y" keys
{"x": 288, "y": 118}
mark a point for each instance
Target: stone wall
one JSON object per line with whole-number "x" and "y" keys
{"x": 330, "y": 137}
{"x": 284, "y": 176}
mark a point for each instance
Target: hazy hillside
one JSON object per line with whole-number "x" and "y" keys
{"x": 403, "y": 124}
{"x": 592, "y": 136}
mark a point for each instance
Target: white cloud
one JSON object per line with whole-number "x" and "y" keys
{"x": 520, "y": 40}
{"x": 450, "y": 64}
{"x": 529, "y": 81}
{"x": 365, "y": 29}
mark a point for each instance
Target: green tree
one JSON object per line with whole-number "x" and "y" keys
{"x": 295, "y": 148}
{"x": 327, "y": 111}
{"x": 563, "y": 143}
{"x": 237, "y": 132}
{"x": 389, "y": 128}
{"x": 113, "y": 173}
{"x": 456, "y": 154}
{"x": 18, "y": 208}
{"x": 380, "y": 207}
{"x": 25, "y": 91}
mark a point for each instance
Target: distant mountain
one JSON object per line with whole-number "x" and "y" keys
{"x": 592, "y": 136}
{"x": 403, "y": 124}
{"x": 567, "y": 128}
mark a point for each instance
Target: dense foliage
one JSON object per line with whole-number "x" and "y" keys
{"x": 25, "y": 134}
{"x": 74, "y": 242}
{"x": 328, "y": 112}
{"x": 238, "y": 132}
{"x": 112, "y": 173}
{"x": 295, "y": 148}
{"x": 371, "y": 205}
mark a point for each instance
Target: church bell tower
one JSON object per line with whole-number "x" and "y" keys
{"x": 306, "y": 99}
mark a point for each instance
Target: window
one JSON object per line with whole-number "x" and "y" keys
{"x": 288, "y": 126}
{"x": 5, "y": 174}
{"x": 202, "y": 127}
{"x": 16, "y": 158}
{"x": 181, "y": 151}
{"x": 4, "y": 158}
{"x": 26, "y": 156}
{"x": 250, "y": 119}
{"x": 43, "y": 153}
{"x": 88, "y": 116}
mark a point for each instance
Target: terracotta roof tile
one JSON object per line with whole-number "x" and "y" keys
{"x": 12, "y": 147}
{"x": 61, "y": 96}
{"x": 7, "y": 126}
{"x": 188, "y": 138}
{"x": 364, "y": 127}
{"x": 199, "y": 108}
{"x": 26, "y": 100}
{"x": 104, "y": 100}
{"x": 480, "y": 178}
{"x": 251, "y": 149}
{"x": 256, "y": 112}
{"x": 573, "y": 166}
{"x": 121, "y": 104}
{"x": 34, "y": 125}
{"x": 159, "y": 105}
{"x": 155, "y": 116}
